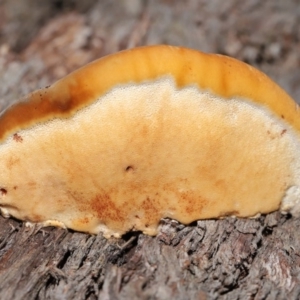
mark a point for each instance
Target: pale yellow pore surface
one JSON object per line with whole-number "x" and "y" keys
{"x": 146, "y": 151}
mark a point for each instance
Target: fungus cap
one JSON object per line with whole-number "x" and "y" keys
{"x": 149, "y": 133}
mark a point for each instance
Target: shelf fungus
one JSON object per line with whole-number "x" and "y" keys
{"x": 146, "y": 134}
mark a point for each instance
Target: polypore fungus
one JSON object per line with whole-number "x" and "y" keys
{"x": 150, "y": 133}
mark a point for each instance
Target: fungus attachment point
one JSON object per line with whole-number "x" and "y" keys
{"x": 208, "y": 136}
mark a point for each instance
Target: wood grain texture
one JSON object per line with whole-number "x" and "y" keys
{"x": 225, "y": 259}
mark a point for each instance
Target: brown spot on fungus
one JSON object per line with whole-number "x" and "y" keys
{"x": 105, "y": 207}
{"x": 205, "y": 136}
{"x": 129, "y": 169}
{"x": 17, "y": 138}
{"x": 283, "y": 131}
{"x": 3, "y": 191}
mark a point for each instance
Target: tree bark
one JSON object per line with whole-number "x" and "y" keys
{"x": 214, "y": 259}
{"x": 210, "y": 259}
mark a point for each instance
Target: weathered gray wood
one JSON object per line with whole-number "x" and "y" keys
{"x": 225, "y": 259}
{"x": 214, "y": 259}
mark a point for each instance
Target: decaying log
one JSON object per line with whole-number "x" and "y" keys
{"x": 223, "y": 259}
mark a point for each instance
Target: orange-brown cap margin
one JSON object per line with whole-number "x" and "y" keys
{"x": 218, "y": 74}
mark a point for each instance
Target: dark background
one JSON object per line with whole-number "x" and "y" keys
{"x": 42, "y": 41}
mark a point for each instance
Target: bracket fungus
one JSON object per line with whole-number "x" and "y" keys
{"x": 149, "y": 133}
